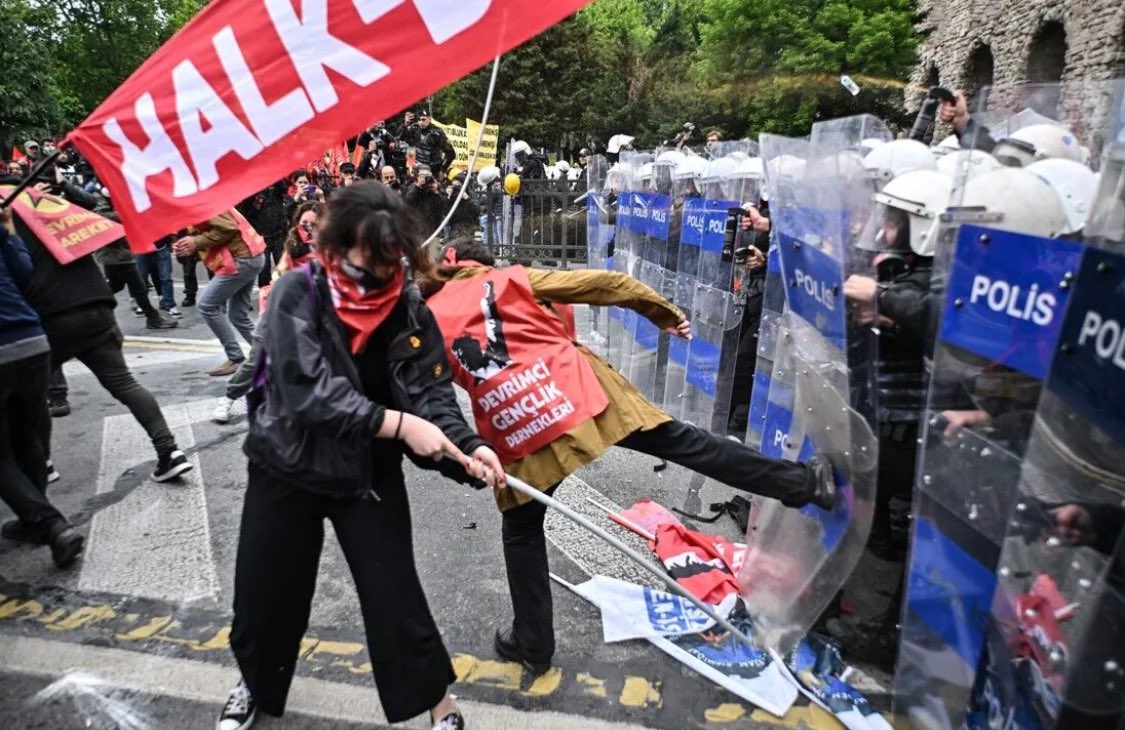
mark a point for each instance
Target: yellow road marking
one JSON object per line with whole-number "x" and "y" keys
{"x": 636, "y": 692}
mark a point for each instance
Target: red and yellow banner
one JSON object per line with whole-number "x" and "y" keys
{"x": 251, "y": 90}
{"x": 68, "y": 231}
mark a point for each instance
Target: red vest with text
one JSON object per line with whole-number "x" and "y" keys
{"x": 527, "y": 381}
{"x": 220, "y": 260}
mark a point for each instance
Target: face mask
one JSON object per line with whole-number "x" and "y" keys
{"x": 364, "y": 278}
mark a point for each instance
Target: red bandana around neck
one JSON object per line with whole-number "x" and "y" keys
{"x": 361, "y": 311}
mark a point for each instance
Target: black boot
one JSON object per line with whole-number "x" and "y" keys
{"x": 508, "y": 648}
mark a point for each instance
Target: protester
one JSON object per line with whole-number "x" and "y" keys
{"x": 356, "y": 378}
{"x": 233, "y": 251}
{"x": 302, "y": 191}
{"x": 300, "y": 244}
{"x": 156, "y": 267}
{"x": 76, "y": 308}
{"x": 24, "y": 366}
{"x": 266, "y": 212}
{"x": 497, "y": 320}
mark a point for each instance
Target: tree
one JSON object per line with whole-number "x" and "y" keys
{"x": 31, "y": 105}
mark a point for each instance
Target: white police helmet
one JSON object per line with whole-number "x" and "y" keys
{"x": 1074, "y": 183}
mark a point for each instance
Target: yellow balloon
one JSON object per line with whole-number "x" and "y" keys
{"x": 512, "y": 184}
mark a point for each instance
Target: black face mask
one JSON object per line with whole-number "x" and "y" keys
{"x": 364, "y": 278}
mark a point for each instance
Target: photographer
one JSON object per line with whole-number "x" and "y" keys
{"x": 389, "y": 177}
{"x": 300, "y": 191}
{"x": 431, "y": 146}
{"x": 424, "y": 197}
{"x": 682, "y": 137}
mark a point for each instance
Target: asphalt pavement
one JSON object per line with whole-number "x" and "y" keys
{"x": 136, "y": 634}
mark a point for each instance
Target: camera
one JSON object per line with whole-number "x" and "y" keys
{"x": 689, "y": 127}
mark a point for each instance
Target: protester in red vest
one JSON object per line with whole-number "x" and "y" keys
{"x": 233, "y": 251}
{"x": 549, "y": 406}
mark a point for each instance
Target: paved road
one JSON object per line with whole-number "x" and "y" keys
{"x": 136, "y": 635}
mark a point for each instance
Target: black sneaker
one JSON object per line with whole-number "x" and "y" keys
{"x": 452, "y": 721}
{"x": 189, "y": 301}
{"x": 170, "y": 466}
{"x": 58, "y": 406}
{"x": 509, "y": 649}
{"x": 240, "y": 709}
{"x": 824, "y": 496}
{"x": 33, "y": 533}
{"x": 66, "y": 544}
{"x": 159, "y": 322}
{"x": 52, "y": 473}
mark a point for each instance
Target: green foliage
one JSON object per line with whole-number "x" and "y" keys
{"x": 641, "y": 67}
{"x": 30, "y": 106}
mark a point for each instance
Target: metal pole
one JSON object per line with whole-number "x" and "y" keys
{"x": 667, "y": 580}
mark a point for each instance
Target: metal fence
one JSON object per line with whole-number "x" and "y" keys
{"x": 545, "y": 224}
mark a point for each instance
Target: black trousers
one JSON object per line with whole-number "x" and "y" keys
{"x": 279, "y": 548}
{"x": 90, "y": 335}
{"x": 730, "y": 462}
{"x": 191, "y": 280}
{"x": 122, "y": 276}
{"x": 23, "y": 464}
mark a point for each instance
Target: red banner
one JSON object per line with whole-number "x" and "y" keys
{"x": 68, "y": 231}
{"x": 251, "y": 90}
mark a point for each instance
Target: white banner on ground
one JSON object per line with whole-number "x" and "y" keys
{"x": 641, "y": 612}
{"x": 753, "y": 673}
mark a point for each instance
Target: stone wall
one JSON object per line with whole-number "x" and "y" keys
{"x": 1022, "y": 40}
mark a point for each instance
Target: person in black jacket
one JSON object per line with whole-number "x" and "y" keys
{"x": 76, "y": 306}
{"x": 431, "y": 146}
{"x": 355, "y": 378}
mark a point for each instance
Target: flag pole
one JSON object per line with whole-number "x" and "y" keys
{"x": 667, "y": 580}
{"x": 26, "y": 182}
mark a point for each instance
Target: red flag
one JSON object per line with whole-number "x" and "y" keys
{"x": 703, "y": 564}
{"x": 17, "y": 156}
{"x": 250, "y": 90}
{"x": 66, "y": 230}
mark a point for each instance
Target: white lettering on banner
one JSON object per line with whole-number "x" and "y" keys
{"x": 1038, "y": 307}
{"x": 446, "y": 18}
{"x": 313, "y": 49}
{"x": 527, "y": 406}
{"x": 818, "y": 290}
{"x": 513, "y": 385}
{"x": 271, "y": 122}
{"x": 371, "y": 10}
{"x": 660, "y": 215}
{"x": 1108, "y": 340}
{"x": 556, "y": 414}
{"x": 716, "y": 226}
{"x": 195, "y": 100}
{"x": 159, "y": 155}
{"x": 695, "y": 222}
{"x": 778, "y": 437}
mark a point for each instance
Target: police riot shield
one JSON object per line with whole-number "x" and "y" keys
{"x": 599, "y": 233}
{"x": 623, "y": 256}
{"x": 1055, "y": 650}
{"x": 715, "y": 311}
{"x": 771, "y": 399}
{"x": 798, "y": 559}
{"x": 651, "y": 209}
{"x": 1001, "y": 284}
{"x": 686, "y": 205}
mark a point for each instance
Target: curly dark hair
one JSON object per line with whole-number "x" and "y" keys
{"x": 376, "y": 218}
